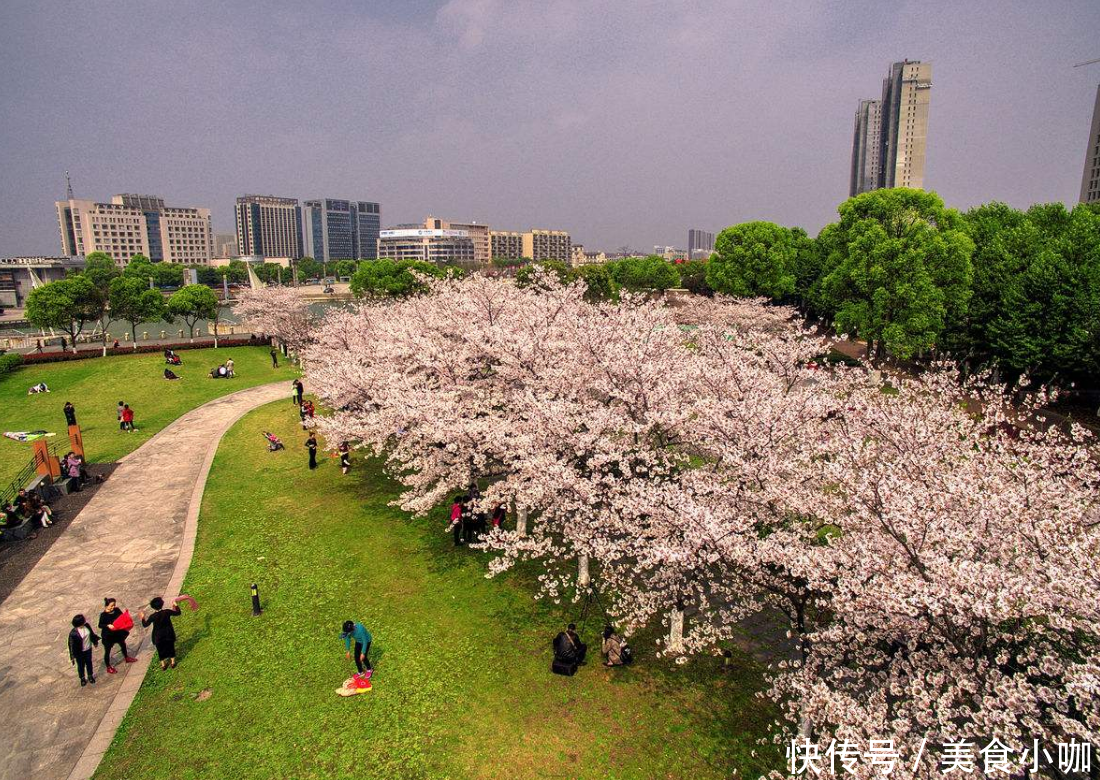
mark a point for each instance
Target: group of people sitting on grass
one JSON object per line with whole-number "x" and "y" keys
{"x": 570, "y": 651}
{"x": 469, "y": 525}
{"x": 27, "y": 507}
{"x": 224, "y": 371}
{"x": 41, "y": 387}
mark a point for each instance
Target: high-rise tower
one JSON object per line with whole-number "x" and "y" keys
{"x": 891, "y": 135}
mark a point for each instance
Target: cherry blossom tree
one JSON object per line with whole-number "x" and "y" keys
{"x": 278, "y": 312}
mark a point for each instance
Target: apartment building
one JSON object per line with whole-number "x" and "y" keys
{"x": 542, "y": 245}
{"x": 505, "y": 244}
{"x": 479, "y": 234}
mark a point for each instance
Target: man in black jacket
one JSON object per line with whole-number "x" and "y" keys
{"x": 81, "y": 640}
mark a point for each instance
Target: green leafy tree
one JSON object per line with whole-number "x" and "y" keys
{"x": 236, "y": 272}
{"x": 1035, "y": 306}
{"x": 162, "y": 274}
{"x": 308, "y": 268}
{"x": 101, "y": 269}
{"x": 345, "y": 268}
{"x": 693, "y": 277}
{"x": 526, "y": 276}
{"x": 208, "y": 275}
{"x": 193, "y": 303}
{"x": 810, "y": 264}
{"x": 644, "y": 273}
{"x": 601, "y": 285}
{"x": 899, "y": 270}
{"x": 391, "y": 278}
{"x": 65, "y": 305}
{"x": 132, "y": 301}
{"x": 755, "y": 259}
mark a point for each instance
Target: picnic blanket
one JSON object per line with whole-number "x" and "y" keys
{"x": 27, "y": 435}
{"x": 356, "y": 684}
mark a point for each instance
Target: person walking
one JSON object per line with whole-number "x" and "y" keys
{"x": 70, "y": 413}
{"x": 274, "y": 358}
{"x": 229, "y": 367}
{"x": 115, "y": 627}
{"x": 127, "y": 418}
{"x": 38, "y": 345}
{"x": 300, "y": 389}
{"x": 357, "y": 633}
{"x": 311, "y": 445}
{"x": 345, "y": 457}
{"x": 81, "y": 640}
{"x": 64, "y": 344}
{"x": 164, "y": 633}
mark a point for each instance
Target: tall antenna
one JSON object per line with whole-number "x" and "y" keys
{"x": 68, "y": 187}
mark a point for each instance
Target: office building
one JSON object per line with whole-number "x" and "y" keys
{"x": 542, "y": 245}
{"x": 478, "y": 233}
{"x": 413, "y": 242}
{"x": 135, "y": 224}
{"x": 1090, "y": 179}
{"x": 340, "y": 229}
{"x": 505, "y": 244}
{"x": 901, "y": 126}
{"x": 866, "y": 164}
{"x": 269, "y": 226}
{"x": 700, "y": 244}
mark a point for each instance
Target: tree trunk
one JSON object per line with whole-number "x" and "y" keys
{"x": 583, "y": 578}
{"x": 521, "y": 520}
{"x": 676, "y": 630}
{"x": 133, "y": 334}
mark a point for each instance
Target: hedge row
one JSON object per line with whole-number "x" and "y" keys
{"x": 9, "y": 362}
{"x": 84, "y": 354}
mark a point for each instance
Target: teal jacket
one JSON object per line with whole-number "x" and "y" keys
{"x": 358, "y": 634}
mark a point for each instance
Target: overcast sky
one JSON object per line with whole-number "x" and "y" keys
{"x": 621, "y": 121}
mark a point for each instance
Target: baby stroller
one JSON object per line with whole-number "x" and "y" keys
{"x": 273, "y": 442}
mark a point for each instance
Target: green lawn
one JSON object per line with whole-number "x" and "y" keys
{"x": 462, "y": 688}
{"x": 95, "y": 386}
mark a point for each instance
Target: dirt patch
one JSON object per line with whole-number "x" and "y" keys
{"x": 18, "y": 557}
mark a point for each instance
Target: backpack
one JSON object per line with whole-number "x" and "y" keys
{"x": 626, "y": 655}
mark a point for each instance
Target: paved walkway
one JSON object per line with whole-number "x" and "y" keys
{"x": 132, "y": 541}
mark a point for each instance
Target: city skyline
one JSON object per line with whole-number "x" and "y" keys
{"x": 569, "y": 122}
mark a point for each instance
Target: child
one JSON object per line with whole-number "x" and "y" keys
{"x": 127, "y": 418}
{"x": 345, "y": 457}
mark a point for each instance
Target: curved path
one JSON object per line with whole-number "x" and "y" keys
{"x": 132, "y": 541}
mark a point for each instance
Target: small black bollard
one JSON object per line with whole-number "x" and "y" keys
{"x": 255, "y": 600}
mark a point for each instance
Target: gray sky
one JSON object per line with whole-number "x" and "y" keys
{"x": 621, "y": 121}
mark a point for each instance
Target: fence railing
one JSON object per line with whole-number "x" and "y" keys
{"x": 25, "y": 475}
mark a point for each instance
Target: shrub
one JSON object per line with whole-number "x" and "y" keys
{"x": 57, "y": 357}
{"x": 10, "y": 362}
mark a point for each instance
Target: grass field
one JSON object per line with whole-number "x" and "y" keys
{"x": 462, "y": 683}
{"x": 95, "y": 386}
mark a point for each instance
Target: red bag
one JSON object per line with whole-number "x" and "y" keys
{"x": 123, "y": 622}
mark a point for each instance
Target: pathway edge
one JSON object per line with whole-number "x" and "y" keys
{"x": 104, "y": 735}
